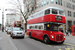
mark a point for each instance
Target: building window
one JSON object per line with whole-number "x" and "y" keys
{"x": 74, "y": 14}
{"x": 37, "y": 5}
{"x": 44, "y": 2}
{"x": 69, "y": 5}
{"x": 41, "y": 3}
{"x": 47, "y": 2}
{"x": 52, "y": 1}
{"x": 73, "y": 7}
{"x": 69, "y": 24}
{"x": 73, "y": 1}
{"x": 74, "y": 22}
{"x": 56, "y": 1}
{"x": 69, "y": 13}
{"x": 32, "y": 8}
{"x": 59, "y": 2}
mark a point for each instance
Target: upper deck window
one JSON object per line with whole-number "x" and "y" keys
{"x": 47, "y": 11}
{"x": 54, "y": 11}
{"x": 61, "y": 12}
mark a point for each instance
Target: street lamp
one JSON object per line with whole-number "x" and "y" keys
{"x": 3, "y": 20}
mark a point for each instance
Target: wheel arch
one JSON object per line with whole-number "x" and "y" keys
{"x": 46, "y": 35}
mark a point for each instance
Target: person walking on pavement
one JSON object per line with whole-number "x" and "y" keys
{"x": 67, "y": 32}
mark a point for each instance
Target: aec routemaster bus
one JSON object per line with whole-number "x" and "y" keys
{"x": 44, "y": 25}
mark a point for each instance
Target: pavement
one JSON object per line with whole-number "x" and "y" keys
{"x": 70, "y": 36}
{"x": 5, "y": 42}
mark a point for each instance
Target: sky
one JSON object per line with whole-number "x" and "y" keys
{"x": 4, "y": 4}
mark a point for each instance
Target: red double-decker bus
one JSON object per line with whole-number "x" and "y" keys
{"x": 44, "y": 25}
{"x": 17, "y": 24}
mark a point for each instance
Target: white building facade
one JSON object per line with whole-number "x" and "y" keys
{"x": 11, "y": 18}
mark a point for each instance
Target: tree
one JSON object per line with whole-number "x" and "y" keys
{"x": 30, "y": 6}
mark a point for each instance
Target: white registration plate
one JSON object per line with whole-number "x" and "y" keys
{"x": 19, "y": 35}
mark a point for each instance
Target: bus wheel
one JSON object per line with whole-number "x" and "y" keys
{"x": 46, "y": 40}
{"x": 30, "y": 34}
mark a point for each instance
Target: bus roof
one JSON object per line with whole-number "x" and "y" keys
{"x": 48, "y": 8}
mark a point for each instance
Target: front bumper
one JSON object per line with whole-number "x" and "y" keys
{"x": 18, "y": 35}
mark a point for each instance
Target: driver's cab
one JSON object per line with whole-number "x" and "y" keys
{"x": 53, "y": 26}
{"x": 54, "y": 10}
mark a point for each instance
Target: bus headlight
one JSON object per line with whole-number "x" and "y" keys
{"x": 64, "y": 37}
{"x": 52, "y": 36}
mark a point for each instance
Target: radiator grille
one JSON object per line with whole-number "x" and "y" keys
{"x": 59, "y": 38}
{"x": 19, "y": 33}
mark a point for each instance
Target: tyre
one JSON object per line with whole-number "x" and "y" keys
{"x": 23, "y": 37}
{"x": 10, "y": 35}
{"x": 46, "y": 40}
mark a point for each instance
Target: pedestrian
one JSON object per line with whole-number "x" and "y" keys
{"x": 67, "y": 32}
{"x": 70, "y": 31}
{"x": 61, "y": 30}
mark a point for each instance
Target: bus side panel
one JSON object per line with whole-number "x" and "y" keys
{"x": 32, "y": 32}
{"x": 36, "y": 20}
{"x": 47, "y": 18}
{"x": 39, "y": 34}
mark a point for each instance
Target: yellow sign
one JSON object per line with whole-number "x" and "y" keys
{"x": 17, "y": 25}
{"x": 48, "y": 25}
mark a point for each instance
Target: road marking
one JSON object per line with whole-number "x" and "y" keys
{"x": 67, "y": 48}
{"x": 69, "y": 44}
{"x": 49, "y": 45}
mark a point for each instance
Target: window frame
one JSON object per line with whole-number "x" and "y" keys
{"x": 48, "y": 12}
